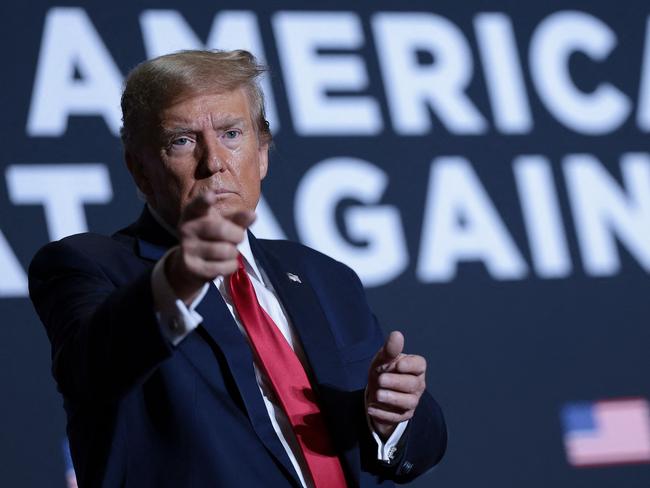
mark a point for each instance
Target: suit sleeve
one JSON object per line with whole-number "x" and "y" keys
{"x": 105, "y": 337}
{"x": 423, "y": 443}
{"x": 420, "y": 448}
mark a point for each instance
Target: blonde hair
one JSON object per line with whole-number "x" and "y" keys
{"x": 157, "y": 83}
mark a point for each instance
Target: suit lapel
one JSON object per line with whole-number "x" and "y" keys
{"x": 219, "y": 331}
{"x": 223, "y": 332}
{"x": 307, "y": 317}
{"x": 310, "y": 323}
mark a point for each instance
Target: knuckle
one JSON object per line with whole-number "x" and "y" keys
{"x": 231, "y": 251}
{"x": 220, "y": 227}
{"x": 199, "y": 271}
{"x": 396, "y": 417}
{"x": 413, "y": 403}
{"x": 192, "y": 250}
{"x": 228, "y": 268}
{"x": 384, "y": 396}
{"x": 238, "y": 234}
{"x": 406, "y": 363}
{"x": 412, "y": 386}
{"x": 186, "y": 230}
{"x": 210, "y": 271}
{"x": 399, "y": 417}
{"x": 221, "y": 250}
{"x": 186, "y": 253}
{"x": 384, "y": 415}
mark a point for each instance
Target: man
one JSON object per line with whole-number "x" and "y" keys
{"x": 190, "y": 353}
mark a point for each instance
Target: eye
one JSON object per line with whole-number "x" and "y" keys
{"x": 181, "y": 141}
{"x": 232, "y": 134}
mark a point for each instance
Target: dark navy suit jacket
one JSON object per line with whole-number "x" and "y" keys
{"x": 142, "y": 413}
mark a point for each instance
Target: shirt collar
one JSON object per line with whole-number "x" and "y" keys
{"x": 244, "y": 247}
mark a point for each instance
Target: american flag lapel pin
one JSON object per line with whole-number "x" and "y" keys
{"x": 294, "y": 277}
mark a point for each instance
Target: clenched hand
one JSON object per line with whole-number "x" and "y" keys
{"x": 395, "y": 384}
{"x": 208, "y": 246}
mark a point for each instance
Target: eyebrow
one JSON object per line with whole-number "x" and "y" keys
{"x": 226, "y": 121}
{"x": 174, "y": 131}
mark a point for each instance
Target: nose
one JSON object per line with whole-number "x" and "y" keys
{"x": 212, "y": 160}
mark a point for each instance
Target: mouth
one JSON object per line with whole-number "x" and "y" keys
{"x": 222, "y": 192}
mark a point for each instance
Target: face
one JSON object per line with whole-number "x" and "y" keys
{"x": 205, "y": 143}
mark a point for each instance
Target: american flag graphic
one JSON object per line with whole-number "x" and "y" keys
{"x": 607, "y": 432}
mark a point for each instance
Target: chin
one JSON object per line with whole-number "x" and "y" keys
{"x": 227, "y": 208}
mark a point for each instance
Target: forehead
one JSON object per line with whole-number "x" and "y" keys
{"x": 215, "y": 107}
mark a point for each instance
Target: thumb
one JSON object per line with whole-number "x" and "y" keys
{"x": 243, "y": 218}
{"x": 394, "y": 345}
{"x": 391, "y": 350}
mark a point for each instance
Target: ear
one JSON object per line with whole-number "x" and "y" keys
{"x": 263, "y": 159}
{"x": 134, "y": 163}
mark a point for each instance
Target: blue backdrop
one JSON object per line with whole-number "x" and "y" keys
{"x": 484, "y": 167}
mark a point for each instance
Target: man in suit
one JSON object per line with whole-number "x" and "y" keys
{"x": 191, "y": 354}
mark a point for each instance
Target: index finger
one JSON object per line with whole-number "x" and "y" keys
{"x": 217, "y": 228}
{"x": 199, "y": 206}
{"x": 411, "y": 364}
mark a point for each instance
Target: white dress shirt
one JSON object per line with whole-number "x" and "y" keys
{"x": 178, "y": 320}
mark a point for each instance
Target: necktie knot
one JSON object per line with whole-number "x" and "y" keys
{"x": 240, "y": 262}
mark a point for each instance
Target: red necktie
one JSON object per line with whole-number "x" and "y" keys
{"x": 290, "y": 382}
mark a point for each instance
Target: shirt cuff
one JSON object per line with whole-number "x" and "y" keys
{"x": 176, "y": 319}
{"x": 386, "y": 450}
